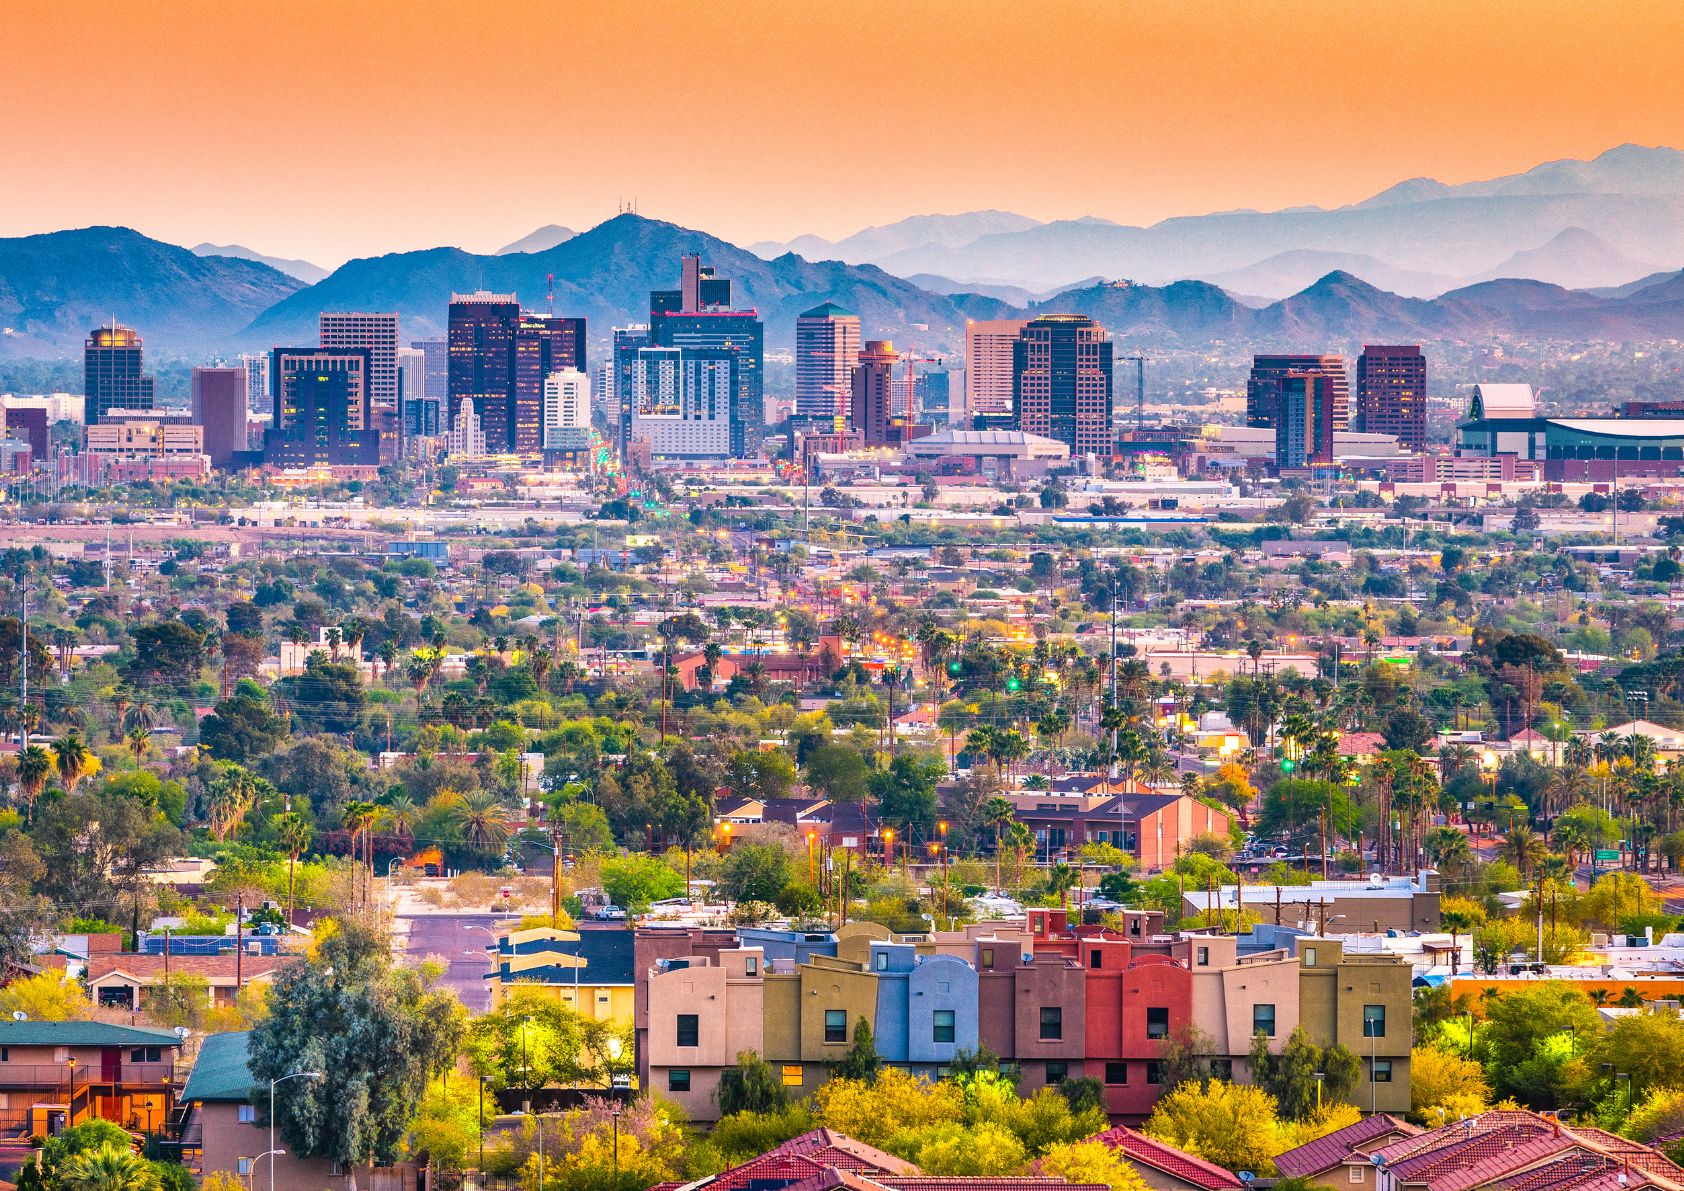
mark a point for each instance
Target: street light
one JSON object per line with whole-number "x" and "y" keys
{"x": 251, "y": 1169}
{"x": 272, "y": 1085}
{"x": 615, "y": 1113}
{"x": 483, "y": 1080}
{"x": 71, "y": 1063}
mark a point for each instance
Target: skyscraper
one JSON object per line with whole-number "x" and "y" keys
{"x": 1262, "y": 389}
{"x": 482, "y": 358}
{"x": 435, "y": 369}
{"x": 988, "y": 368}
{"x": 1061, "y": 383}
{"x": 219, "y": 408}
{"x": 321, "y": 413}
{"x": 628, "y": 342}
{"x": 681, "y": 401}
{"x": 699, "y": 316}
{"x": 1392, "y": 393}
{"x": 871, "y": 399}
{"x": 378, "y": 333}
{"x": 256, "y": 365}
{"x": 543, "y": 344}
{"x": 827, "y": 346}
{"x": 567, "y": 410}
{"x": 112, "y": 376}
{"x": 1303, "y": 418}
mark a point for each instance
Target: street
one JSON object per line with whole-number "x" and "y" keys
{"x": 460, "y": 940}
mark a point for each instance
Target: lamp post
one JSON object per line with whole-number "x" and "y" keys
{"x": 251, "y": 1170}
{"x": 888, "y": 847}
{"x": 71, "y": 1063}
{"x": 483, "y": 1080}
{"x": 272, "y": 1085}
{"x": 615, "y": 1113}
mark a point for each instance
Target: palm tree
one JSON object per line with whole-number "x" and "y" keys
{"x": 35, "y": 766}
{"x": 109, "y": 1167}
{"x": 1448, "y": 848}
{"x": 1523, "y": 848}
{"x": 139, "y": 739}
{"x": 229, "y": 798}
{"x": 293, "y": 832}
{"x": 1061, "y": 879}
{"x": 996, "y": 813}
{"x": 358, "y": 819}
{"x": 73, "y": 760}
{"x": 398, "y": 815}
{"x": 486, "y": 824}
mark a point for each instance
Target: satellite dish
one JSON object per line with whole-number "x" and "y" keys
{"x": 19, "y": 1015}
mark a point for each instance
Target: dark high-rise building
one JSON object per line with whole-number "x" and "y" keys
{"x": 219, "y": 409}
{"x": 322, "y": 404}
{"x": 321, "y": 413}
{"x": 827, "y": 346}
{"x": 1262, "y": 389}
{"x": 112, "y": 372}
{"x": 481, "y": 341}
{"x": 1303, "y": 419}
{"x": 1392, "y": 393}
{"x": 702, "y": 320}
{"x": 30, "y": 425}
{"x": 870, "y": 407}
{"x": 543, "y": 344}
{"x": 628, "y": 341}
{"x": 1061, "y": 383}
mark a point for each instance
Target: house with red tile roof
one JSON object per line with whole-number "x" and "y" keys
{"x": 1162, "y": 1166}
{"x": 1341, "y": 1159}
{"x": 1520, "y": 1151}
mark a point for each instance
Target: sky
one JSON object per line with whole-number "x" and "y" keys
{"x": 326, "y": 129}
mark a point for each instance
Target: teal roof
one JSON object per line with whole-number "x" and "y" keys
{"x": 81, "y": 1033}
{"x": 221, "y": 1072}
{"x": 827, "y": 310}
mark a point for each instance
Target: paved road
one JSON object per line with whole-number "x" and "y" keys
{"x": 452, "y": 937}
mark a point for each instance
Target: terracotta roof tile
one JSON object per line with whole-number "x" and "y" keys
{"x": 1324, "y": 1153}
{"x": 1149, "y": 1151}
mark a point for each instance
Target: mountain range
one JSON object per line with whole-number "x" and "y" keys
{"x": 306, "y": 272}
{"x": 1630, "y": 198}
{"x": 1578, "y": 282}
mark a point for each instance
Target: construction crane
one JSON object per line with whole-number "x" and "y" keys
{"x": 912, "y": 411}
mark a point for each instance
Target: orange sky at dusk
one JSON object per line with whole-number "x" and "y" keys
{"x": 328, "y": 129}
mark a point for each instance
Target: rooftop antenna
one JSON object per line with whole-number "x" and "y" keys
{"x": 549, "y": 278}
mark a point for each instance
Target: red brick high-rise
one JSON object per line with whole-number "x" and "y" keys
{"x": 869, "y": 409}
{"x": 1392, "y": 393}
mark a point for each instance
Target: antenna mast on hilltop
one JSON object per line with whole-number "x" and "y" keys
{"x": 549, "y": 279}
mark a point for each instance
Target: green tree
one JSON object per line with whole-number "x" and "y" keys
{"x": 839, "y": 772}
{"x": 1232, "y": 1125}
{"x": 755, "y": 873}
{"x": 241, "y": 728}
{"x": 861, "y": 1061}
{"x": 377, "y": 1033}
{"x": 1535, "y": 1038}
{"x": 636, "y": 881}
{"x": 167, "y": 653}
{"x": 327, "y": 698}
{"x": 906, "y": 794}
{"x": 751, "y": 1086}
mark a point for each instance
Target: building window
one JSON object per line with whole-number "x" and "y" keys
{"x": 792, "y": 1075}
{"x": 1116, "y": 1073}
{"x": 1157, "y": 1022}
{"x": 244, "y": 1165}
{"x": 882, "y": 961}
{"x": 1154, "y": 1072}
{"x": 1222, "y": 1069}
{"x": 988, "y": 957}
{"x": 1373, "y": 1021}
{"x": 1310, "y": 962}
{"x": 1356, "y": 1174}
{"x": 1057, "y": 1072}
{"x": 5, "y": 1055}
{"x": 678, "y": 1081}
{"x": 146, "y": 1054}
{"x": 248, "y": 1114}
{"x": 1382, "y": 1071}
{"x": 835, "y": 1025}
{"x": 1093, "y": 958}
{"x": 689, "y": 1030}
{"x": 1263, "y": 1020}
{"x": 942, "y": 1029}
{"x": 1204, "y": 957}
{"x": 751, "y": 965}
{"x": 1052, "y": 1023}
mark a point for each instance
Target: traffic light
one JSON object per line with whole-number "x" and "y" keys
{"x": 954, "y": 667}
{"x": 1013, "y": 684}
{"x": 1288, "y": 765}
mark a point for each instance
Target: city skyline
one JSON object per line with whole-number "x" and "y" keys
{"x": 1566, "y": 86}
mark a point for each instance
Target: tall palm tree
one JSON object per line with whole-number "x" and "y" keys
{"x": 73, "y": 760}
{"x": 138, "y": 739}
{"x": 35, "y": 766}
{"x": 997, "y": 812}
{"x": 1061, "y": 879}
{"x": 486, "y": 824}
{"x": 293, "y": 832}
{"x": 230, "y": 797}
{"x": 1524, "y": 848}
{"x": 358, "y": 820}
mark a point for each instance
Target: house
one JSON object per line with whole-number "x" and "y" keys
{"x": 123, "y": 981}
{"x": 703, "y": 1011}
{"x": 589, "y": 970}
{"x": 1341, "y": 1158}
{"x": 1516, "y": 1148}
{"x": 1386, "y": 903}
{"x": 54, "y": 1074}
{"x": 1165, "y": 1168}
{"x": 221, "y": 1130}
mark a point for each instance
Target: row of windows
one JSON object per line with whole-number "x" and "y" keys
{"x": 61, "y": 1054}
{"x": 1052, "y": 1024}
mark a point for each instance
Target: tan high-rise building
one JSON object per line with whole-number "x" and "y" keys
{"x": 988, "y": 366}
{"x": 827, "y": 347}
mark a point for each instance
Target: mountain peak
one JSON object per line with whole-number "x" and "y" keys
{"x": 541, "y": 240}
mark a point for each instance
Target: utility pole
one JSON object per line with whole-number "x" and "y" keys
{"x": 23, "y": 659}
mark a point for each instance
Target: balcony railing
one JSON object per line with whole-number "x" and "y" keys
{"x": 48, "y": 1075}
